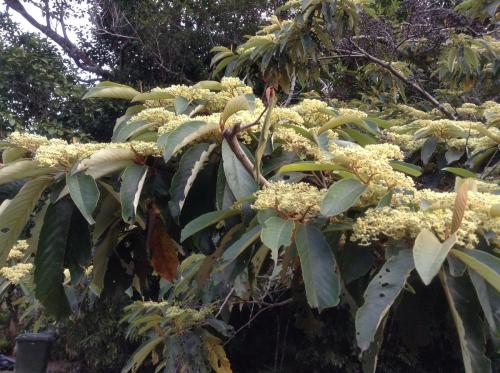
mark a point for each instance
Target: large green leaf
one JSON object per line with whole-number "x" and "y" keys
{"x": 264, "y": 136}
{"x": 84, "y": 192}
{"x": 49, "y": 259}
{"x": 243, "y": 102}
{"x": 23, "y": 169}
{"x": 240, "y": 245}
{"x": 406, "y": 168}
{"x": 276, "y": 233}
{"x": 14, "y": 214}
{"x": 428, "y": 149}
{"x": 107, "y": 161}
{"x": 462, "y": 172}
{"x": 485, "y": 264}
{"x": 183, "y": 135}
{"x": 103, "y": 251}
{"x": 12, "y": 154}
{"x": 309, "y": 166}
{"x": 192, "y": 162}
{"x": 206, "y": 220}
{"x": 380, "y": 294}
{"x": 489, "y": 299}
{"x": 341, "y": 196}
{"x": 130, "y": 191}
{"x": 129, "y": 129}
{"x": 429, "y": 254}
{"x": 111, "y": 90}
{"x": 240, "y": 181}
{"x": 78, "y": 245}
{"x": 464, "y": 310}
{"x": 157, "y": 95}
{"x": 142, "y": 353}
{"x": 319, "y": 268}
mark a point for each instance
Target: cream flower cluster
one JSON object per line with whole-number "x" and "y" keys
{"x": 409, "y": 214}
{"x": 68, "y": 154}
{"x": 17, "y": 273}
{"x": 30, "y": 142}
{"x": 18, "y": 251}
{"x": 310, "y": 111}
{"x": 371, "y": 165}
{"x": 296, "y": 201}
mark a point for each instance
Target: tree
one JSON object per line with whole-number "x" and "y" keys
{"x": 40, "y": 94}
{"x": 212, "y": 207}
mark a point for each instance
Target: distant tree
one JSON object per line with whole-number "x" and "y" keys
{"x": 40, "y": 93}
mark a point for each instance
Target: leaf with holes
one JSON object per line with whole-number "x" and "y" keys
{"x": 319, "y": 268}
{"x": 379, "y": 296}
{"x": 130, "y": 191}
{"x": 465, "y": 312}
{"x": 192, "y": 162}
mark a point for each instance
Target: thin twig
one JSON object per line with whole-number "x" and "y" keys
{"x": 386, "y": 65}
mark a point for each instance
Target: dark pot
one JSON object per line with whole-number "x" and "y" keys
{"x": 32, "y": 354}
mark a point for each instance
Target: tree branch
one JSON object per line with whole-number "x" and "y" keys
{"x": 386, "y": 65}
{"x": 230, "y": 135}
{"x": 79, "y": 57}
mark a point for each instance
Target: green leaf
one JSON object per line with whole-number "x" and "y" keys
{"x": 239, "y": 103}
{"x": 406, "y": 168}
{"x": 23, "y": 169}
{"x": 206, "y": 220}
{"x": 111, "y": 90}
{"x": 462, "y": 172}
{"x": 183, "y": 135}
{"x": 106, "y": 161}
{"x": 386, "y": 199}
{"x": 429, "y": 254}
{"x": 158, "y": 95}
{"x": 84, "y": 193}
{"x": 212, "y": 85}
{"x": 132, "y": 181}
{"x": 49, "y": 259}
{"x": 465, "y": 312}
{"x": 181, "y": 104}
{"x": 485, "y": 264}
{"x": 12, "y": 154}
{"x": 428, "y": 149}
{"x": 78, "y": 247}
{"x": 380, "y": 294}
{"x": 361, "y": 138}
{"x": 319, "y": 268}
{"x": 489, "y": 299}
{"x": 453, "y": 154}
{"x": 130, "y": 129}
{"x": 103, "y": 251}
{"x": 263, "y": 138}
{"x": 276, "y": 233}
{"x": 240, "y": 181}
{"x": 141, "y": 354}
{"x": 191, "y": 164}
{"x": 15, "y": 213}
{"x": 309, "y": 166}
{"x": 239, "y": 246}
{"x": 301, "y": 131}
{"x": 341, "y": 196}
